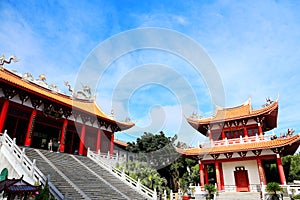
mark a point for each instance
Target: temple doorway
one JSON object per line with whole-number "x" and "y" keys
{"x": 241, "y": 179}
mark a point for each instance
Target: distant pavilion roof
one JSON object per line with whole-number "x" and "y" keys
{"x": 121, "y": 143}
{"x": 90, "y": 107}
{"x": 240, "y": 112}
{"x": 17, "y": 186}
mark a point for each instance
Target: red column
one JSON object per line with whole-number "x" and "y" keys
{"x": 245, "y": 132}
{"x": 98, "y": 140}
{"x": 280, "y": 170}
{"x": 210, "y": 135}
{"x": 218, "y": 175}
{"x": 30, "y": 128}
{"x": 3, "y": 114}
{"x": 201, "y": 173}
{"x": 261, "y": 171}
{"x": 63, "y": 135}
{"x": 221, "y": 176}
{"x": 223, "y": 134}
{"x": 260, "y": 132}
{"x": 81, "y": 142}
{"x": 112, "y": 139}
{"x": 206, "y": 174}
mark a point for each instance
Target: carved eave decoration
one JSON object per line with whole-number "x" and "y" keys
{"x": 9, "y": 92}
{"x": 23, "y": 97}
{"x": 256, "y": 152}
{"x": 54, "y": 111}
{"x": 277, "y": 150}
{"x": 215, "y": 156}
{"x": 242, "y": 153}
{"x": 36, "y": 102}
{"x": 228, "y": 155}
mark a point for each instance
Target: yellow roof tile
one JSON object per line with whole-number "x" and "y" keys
{"x": 87, "y": 106}
{"x": 267, "y": 144}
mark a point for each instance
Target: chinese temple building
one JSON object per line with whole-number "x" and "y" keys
{"x": 239, "y": 155}
{"x": 37, "y": 114}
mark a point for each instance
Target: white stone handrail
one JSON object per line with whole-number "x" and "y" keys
{"x": 240, "y": 140}
{"x": 27, "y": 165}
{"x": 111, "y": 159}
{"x": 146, "y": 192}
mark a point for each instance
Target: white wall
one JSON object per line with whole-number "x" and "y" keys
{"x": 229, "y": 168}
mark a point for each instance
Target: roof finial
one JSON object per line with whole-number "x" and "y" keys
{"x": 112, "y": 113}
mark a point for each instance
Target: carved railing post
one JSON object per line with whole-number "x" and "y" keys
{"x": 155, "y": 194}
{"x": 22, "y": 155}
{"x": 138, "y": 185}
{"x": 33, "y": 168}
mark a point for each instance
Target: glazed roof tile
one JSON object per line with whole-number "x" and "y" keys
{"x": 262, "y": 144}
{"x": 238, "y": 112}
{"x": 86, "y": 106}
{"x": 121, "y": 143}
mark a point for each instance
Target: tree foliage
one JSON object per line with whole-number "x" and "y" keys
{"x": 159, "y": 152}
{"x": 291, "y": 165}
{"x": 148, "y": 176}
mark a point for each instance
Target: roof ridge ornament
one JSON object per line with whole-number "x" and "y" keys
{"x": 3, "y": 61}
{"x": 268, "y": 102}
{"x": 84, "y": 94}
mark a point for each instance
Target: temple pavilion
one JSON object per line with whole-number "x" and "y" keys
{"x": 239, "y": 156}
{"x": 36, "y": 113}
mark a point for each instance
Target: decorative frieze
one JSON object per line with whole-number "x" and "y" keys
{"x": 242, "y": 153}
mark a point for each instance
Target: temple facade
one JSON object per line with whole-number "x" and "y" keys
{"x": 239, "y": 156}
{"x": 37, "y": 114}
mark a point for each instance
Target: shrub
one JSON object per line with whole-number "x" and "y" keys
{"x": 297, "y": 196}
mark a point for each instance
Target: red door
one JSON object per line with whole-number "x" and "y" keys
{"x": 241, "y": 180}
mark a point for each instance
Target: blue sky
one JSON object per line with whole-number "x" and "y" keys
{"x": 254, "y": 45}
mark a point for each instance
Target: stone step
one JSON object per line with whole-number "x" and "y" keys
{"x": 239, "y": 196}
{"x": 83, "y": 178}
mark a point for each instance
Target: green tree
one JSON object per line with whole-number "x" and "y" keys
{"x": 273, "y": 187}
{"x": 159, "y": 152}
{"x": 291, "y": 165}
{"x": 148, "y": 176}
{"x": 211, "y": 189}
{"x": 44, "y": 193}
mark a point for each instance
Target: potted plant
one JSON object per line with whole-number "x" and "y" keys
{"x": 211, "y": 189}
{"x": 273, "y": 188}
{"x": 297, "y": 196}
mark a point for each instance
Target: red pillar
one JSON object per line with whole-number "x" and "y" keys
{"x": 63, "y": 135}
{"x": 30, "y": 128}
{"x": 218, "y": 175}
{"x": 81, "y": 142}
{"x": 245, "y": 132}
{"x": 260, "y": 132}
{"x": 280, "y": 170}
{"x": 98, "y": 140}
{"x": 210, "y": 135}
{"x": 223, "y": 134}
{"x": 221, "y": 176}
{"x": 201, "y": 173}
{"x": 261, "y": 171}
{"x": 3, "y": 114}
{"x": 205, "y": 174}
{"x": 112, "y": 139}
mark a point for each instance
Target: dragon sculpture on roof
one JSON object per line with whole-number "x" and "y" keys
{"x": 3, "y": 61}
{"x": 84, "y": 94}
